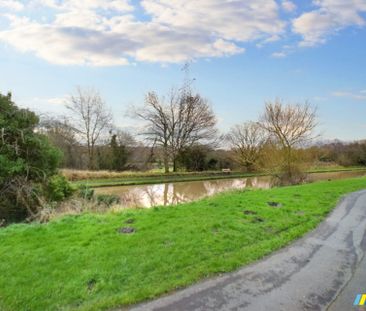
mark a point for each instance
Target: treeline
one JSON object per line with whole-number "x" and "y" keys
{"x": 179, "y": 133}
{"x": 341, "y": 153}
{"x": 119, "y": 151}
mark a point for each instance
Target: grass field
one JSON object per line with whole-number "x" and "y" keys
{"x": 83, "y": 263}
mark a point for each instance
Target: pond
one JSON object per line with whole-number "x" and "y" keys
{"x": 180, "y": 192}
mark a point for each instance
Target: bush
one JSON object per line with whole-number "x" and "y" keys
{"x": 86, "y": 192}
{"x": 294, "y": 175}
{"x": 59, "y": 188}
{"x": 27, "y": 161}
{"x": 193, "y": 158}
{"x": 108, "y": 199}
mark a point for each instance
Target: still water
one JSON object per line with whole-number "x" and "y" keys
{"x": 179, "y": 192}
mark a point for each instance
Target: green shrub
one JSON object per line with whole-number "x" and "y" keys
{"x": 108, "y": 199}
{"x": 59, "y": 188}
{"x": 27, "y": 161}
{"x": 86, "y": 192}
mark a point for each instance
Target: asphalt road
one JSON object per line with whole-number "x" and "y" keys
{"x": 325, "y": 270}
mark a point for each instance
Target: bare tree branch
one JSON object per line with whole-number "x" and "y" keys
{"x": 90, "y": 118}
{"x": 181, "y": 122}
{"x": 247, "y": 141}
{"x": 290, "y": 126}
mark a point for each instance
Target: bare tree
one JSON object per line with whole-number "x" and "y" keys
{"x": 90, "y": 118}
{"x": 193, "y": 122}
{"x": 181, "y": 122}
{"x": 291, "y": 126}
{"x": 158, "y": 116}
{"x": 247, "y": 141}
{"x": 125, "y": 138}
{"x": 62, "y": 135}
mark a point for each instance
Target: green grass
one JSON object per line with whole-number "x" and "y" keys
{"x": 334, "y": 169}
{"x": 83, "y": 263}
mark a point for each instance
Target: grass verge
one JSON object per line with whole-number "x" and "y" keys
{"x": 83, "y": 263}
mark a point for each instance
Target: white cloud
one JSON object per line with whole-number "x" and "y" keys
{"x": 279, "y": 54}
{"x": 320, "y": 98}
{"x": 43, "y": 105}
{"x": 57, "y": 100}
{"x": 352, "y": 95}
{"x": 329, "y": 17}
{"x": 108, "y": 33}
{"x": 64, "y": 46}
{"x": 12, "y": 5}
{"x": 230, "y": 20}
{"x": 119, "y": 5}
{"x": 288, "y": 6}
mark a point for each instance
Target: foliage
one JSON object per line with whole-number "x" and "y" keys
{"x": 59, "y": 188}
{"x": 212, "y": 164}
{"x": 182, "y": 121}
{"x": 247, "y": 141}
{"x": 344, "y": 154}
{"x": 193, "y": 158}
{"x": 289, "y": 127}
{"x": 119, "y": 154}
{"x": 86, "y": 192}
{"x": 293, "y": 175}
{"x": 108, "y": 199}
{"x": 83, "y": 263}
{"x": 27, "y": 161}
{"x": 62, "y": 135}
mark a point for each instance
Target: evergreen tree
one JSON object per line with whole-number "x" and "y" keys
{"x": 119, "y": 154}
{"x": 27, "y": 161}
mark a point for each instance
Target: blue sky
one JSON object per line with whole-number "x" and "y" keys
{"x": 242, "y": 53}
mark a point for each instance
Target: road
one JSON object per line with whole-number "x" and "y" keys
{"x": 324, "y": 270}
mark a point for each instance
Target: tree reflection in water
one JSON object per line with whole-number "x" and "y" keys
{"x": 175, "y": 193}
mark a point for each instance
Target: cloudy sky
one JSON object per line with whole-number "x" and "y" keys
{"x": 242, "y": 53}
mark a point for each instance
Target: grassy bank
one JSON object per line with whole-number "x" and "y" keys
{"x": 106, "y": 179}
{"x": 84, "y": 263}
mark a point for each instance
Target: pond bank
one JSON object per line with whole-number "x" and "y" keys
{"x": 148, "y": 179}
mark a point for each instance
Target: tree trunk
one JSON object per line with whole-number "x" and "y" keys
{"x": 289, "y": 162}
{"x": 174, "y": 165}
{"x": 166, "y": 159}
{"x": 91, "y": 158}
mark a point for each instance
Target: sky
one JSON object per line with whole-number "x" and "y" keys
{"x": 241, "y": 54}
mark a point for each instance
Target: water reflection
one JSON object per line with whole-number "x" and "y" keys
{"x": 174, "y": 193}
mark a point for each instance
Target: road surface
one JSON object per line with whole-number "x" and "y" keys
{"x": 325, "y": 270}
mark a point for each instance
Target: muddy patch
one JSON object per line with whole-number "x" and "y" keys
{"x": 126, "y": 230}
{"x": 248, "y": 212}
{"x": 257, "y": 219}
{"x": 274, "y": 204}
